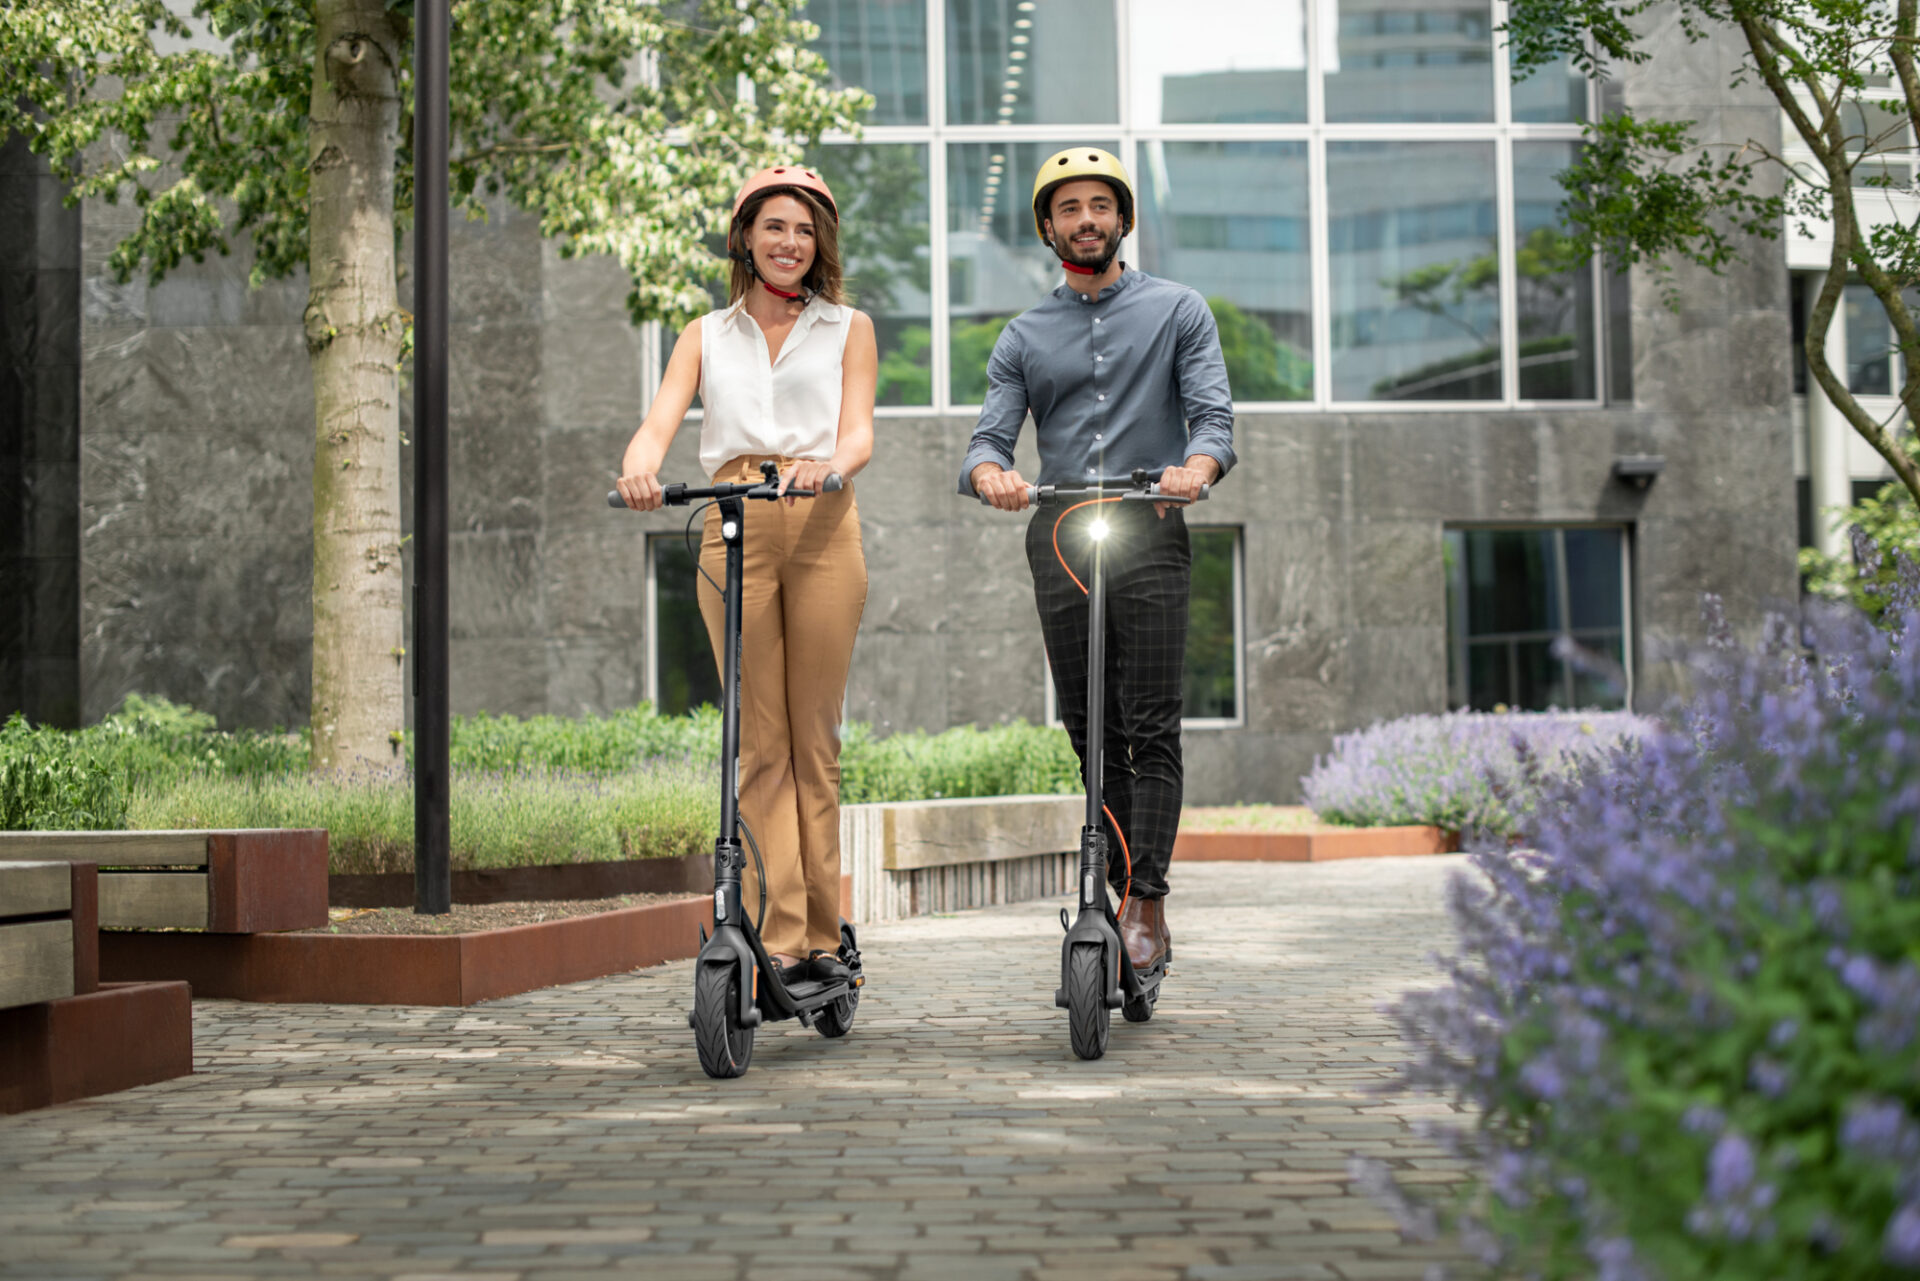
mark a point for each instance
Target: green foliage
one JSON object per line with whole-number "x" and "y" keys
{"x": 1259, "y": 365}
{"x": 513, "y": 818}
{"x": 1003, "y": 760}
{"x": 545, "y": 111}
{"x": 47, "y": 784}
{"x": 589, "y": 744}
{"x": 1892, "y": 522}
{"x": 970, "y": 343}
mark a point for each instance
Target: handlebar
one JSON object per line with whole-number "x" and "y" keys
{"x": 1143, "y": 485}
{"x": 680, "y": 495}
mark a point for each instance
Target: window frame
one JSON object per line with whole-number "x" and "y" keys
{"x": 1502, "y": 131}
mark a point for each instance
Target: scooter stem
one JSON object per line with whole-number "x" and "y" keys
{"x": 728, "y": 860}
{"x": 1093, "y": 878}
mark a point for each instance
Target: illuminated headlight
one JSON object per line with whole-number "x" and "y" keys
{"x": 1098, "y": 529}
{"x": 728, "y": 529}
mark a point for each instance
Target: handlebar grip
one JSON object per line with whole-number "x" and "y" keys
{"x": 614, "y": 499}
{"x": 833, "y": 484}
{"x": 1033, "y": 497}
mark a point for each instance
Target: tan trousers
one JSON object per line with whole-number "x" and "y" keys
{"x": 802, "y": 596}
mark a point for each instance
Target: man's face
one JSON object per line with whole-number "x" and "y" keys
{"x": 1084, "y": 222}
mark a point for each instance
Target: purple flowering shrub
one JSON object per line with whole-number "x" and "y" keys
{"x": 1464, "y": 771}
{"x": 1686, "y": 1016}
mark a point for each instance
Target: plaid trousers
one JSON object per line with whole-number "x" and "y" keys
{"x": 1148, "y": 568}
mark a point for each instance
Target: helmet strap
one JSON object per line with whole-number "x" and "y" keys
{"x": 1078, "y": 270}
{"x": 753, "y": 269}
{"x": 776, "y": 292}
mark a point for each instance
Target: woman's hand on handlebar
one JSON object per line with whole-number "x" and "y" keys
{"x": 806, "y": 473}
{"x": 642, "y": 491}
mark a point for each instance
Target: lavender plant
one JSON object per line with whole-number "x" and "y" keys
{"x": 1464, "y": 771}
{"x": 1685, "y": 1016}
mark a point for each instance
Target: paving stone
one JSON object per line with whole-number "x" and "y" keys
{"x": 569, "y": 1132}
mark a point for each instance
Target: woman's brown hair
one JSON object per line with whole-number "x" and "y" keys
{"x": 823, "y": 278}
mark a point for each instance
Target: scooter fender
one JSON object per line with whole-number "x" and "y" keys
{"x": 729, "y": 945}
{"x": 1097, "y": 928}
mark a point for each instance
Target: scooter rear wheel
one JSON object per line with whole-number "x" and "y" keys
{"x": 725, "y": 1047}
{"x": 1138, "y": 1009}
{"x": 1088, "y": 1018}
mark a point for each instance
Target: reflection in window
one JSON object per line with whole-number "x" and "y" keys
{"x": 1407, "y": 60}
{"x": 1416, "y": 281}
{"x": 993, "y": 248}
{"x": 1521, "y": 603}
{"x": 1210, "y": 680}
{"x": 1212, "y": 62}
{"x": 1230, "y": 219}
{"x": 1031, "y": 62}
{"x": 1551, "y": 95}
{"x": 1553, "y": 281}
{"x": 1869, "y": 344}
{"x": 881, "y": 46}
{"x": 684, "y": 674}
{"x": 882, "y": 193}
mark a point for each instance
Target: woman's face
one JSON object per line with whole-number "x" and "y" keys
{"x": 781, "y": 241}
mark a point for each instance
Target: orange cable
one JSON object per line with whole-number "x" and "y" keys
{"x": 1125, "y": 853}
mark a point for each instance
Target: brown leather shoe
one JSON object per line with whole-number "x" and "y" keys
{"x": 1166, "y": 935}
{"x": 1141, "y": 925}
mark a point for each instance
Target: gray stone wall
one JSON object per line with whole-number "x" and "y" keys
{"x": 196, "y": 481}
{"x": 39, "y": 443}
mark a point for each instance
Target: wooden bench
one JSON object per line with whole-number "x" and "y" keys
{"x": 234, "y": 882}
{"x": 909, "y": 858}
{"x": 49, "y": 941}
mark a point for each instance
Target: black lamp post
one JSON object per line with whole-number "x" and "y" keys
{"x": 432, "y": 876}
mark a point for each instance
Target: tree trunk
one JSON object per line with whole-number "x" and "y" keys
{"x": 354, "y": 329}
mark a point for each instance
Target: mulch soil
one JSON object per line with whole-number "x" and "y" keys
{"x": 468, "y": 917}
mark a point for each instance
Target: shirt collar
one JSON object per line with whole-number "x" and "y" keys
{"x": 816, "y": 312}
{"x": 1127, "y": 276}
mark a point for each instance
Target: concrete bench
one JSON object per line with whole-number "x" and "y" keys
{"x": 49, "y": 942}
{"x": 235, "y": 882}
{"x": 914, "y": 857}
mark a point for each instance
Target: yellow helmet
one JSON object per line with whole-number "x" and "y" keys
{"x": 1075, "y": 163}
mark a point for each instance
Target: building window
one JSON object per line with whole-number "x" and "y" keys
{"x": 1869, "y": 343}
{"x": 1361, "y": 189}
{"x": 681, "y": 675}
{"x": 1414, "y": 243}
{"x": 881, "y": 190}
{"x": 1538, "y": 618}
{"x": 1211, "y": 682}
{"x": 1231, "y": 220}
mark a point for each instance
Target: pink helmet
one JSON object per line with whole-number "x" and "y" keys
{"x": 782, "y": 176}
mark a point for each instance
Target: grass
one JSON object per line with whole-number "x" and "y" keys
{"x": 1251, "y": 818}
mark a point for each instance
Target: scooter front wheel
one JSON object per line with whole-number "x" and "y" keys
{"x": 1088, "y": 1019}
{"x": 725, "y": 1047}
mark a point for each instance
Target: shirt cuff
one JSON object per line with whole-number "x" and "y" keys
{"x": 980, "y": 453}
{"x": 1221, "y": 454}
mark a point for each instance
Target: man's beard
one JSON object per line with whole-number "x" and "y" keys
{"x": 1108, "y": 248}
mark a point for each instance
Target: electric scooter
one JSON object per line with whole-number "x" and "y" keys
{"x": 1096, "y": 975}
{"x": 736, "y": 984}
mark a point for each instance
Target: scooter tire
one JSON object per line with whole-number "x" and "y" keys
{"x": 1088, "y": 1018}
{"x": 724, "y": 1046}
{"x": 836, "y": 1019}
{"x": 1138, "y": 1009}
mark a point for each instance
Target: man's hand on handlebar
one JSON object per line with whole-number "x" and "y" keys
{"x": 1187, "y": 482}
{"x": 806, "y": 474}
{"x": 1004, "y": 489}
{"x": 642, "y": 491}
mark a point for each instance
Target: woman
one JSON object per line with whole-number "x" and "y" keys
{"x": 785, "y": 372}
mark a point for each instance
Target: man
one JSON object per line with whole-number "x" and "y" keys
{"x": 1120, "y": 370}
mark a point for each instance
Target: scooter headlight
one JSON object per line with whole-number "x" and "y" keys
{"x": 1097, "y": 530}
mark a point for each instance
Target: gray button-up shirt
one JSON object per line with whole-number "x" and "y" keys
{"x": 1130, "y": 378}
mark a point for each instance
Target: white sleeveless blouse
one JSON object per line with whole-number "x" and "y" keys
{"x": 789, "y": 407}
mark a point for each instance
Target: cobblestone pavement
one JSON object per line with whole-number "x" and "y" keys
{"x": 952, "y": 1134}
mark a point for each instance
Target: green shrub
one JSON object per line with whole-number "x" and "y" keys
{"x": 589, "y": 744}
{"x": 1883, "y": 529}
{"x": 1002, "y": 760}
{"x": 499, "y": 818}
{"x": 49, "y": 781}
